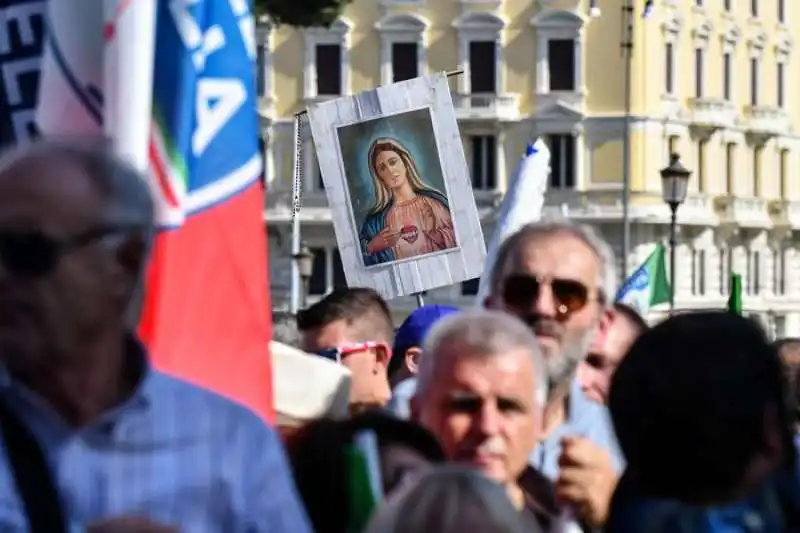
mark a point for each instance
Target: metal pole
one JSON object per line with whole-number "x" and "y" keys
{"x": 673, "y": 243}
{"x": 420, "y": 299}
{"x": 627, "y": 50}
{"x": 296, "y": 283}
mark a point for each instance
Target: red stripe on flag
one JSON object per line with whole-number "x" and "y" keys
{"x": 207, "y": 312}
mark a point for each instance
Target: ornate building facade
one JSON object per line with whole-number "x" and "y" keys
{"x": 710, "y": 80}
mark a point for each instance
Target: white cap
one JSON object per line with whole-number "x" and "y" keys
{"x": 306, "y": 387}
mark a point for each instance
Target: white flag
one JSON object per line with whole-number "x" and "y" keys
{"x": 522, "y": 204}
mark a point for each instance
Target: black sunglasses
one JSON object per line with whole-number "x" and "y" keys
{"x": 520, "y": 291}
{"x": 36, "y": 254}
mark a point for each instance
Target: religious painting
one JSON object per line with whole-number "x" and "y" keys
{"x": 396, "y": 187}
{"x": 399, "y": 188}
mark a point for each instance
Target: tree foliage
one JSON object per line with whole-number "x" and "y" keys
{"x": 304, "y": 13}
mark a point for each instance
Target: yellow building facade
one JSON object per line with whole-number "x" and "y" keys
{"x": 710, "y": 80}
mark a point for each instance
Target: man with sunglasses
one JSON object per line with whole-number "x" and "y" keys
{"x": 108, "y": 442}
{"x": 557, "y": 277}
{"x": 353, "y": 327}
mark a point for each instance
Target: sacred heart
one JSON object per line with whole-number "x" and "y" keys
{"x": 409, "y": 233}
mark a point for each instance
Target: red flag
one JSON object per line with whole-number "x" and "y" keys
{"x": 207, "y": 315}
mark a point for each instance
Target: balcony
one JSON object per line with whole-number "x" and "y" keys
{"x": 485, "y": 106}
{"x": 785, "y": 213}
{"x": 710, "y": 114}
{"x": 763, "y": 123}
{"x": 743, "y": 212}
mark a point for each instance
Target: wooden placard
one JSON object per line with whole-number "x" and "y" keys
{"x": 392, "y": 159}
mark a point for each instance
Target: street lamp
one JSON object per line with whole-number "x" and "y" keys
{"x": 675, "y": 185}
{"x": 304, "y": 259}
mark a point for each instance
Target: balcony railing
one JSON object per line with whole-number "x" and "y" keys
{"x": 486, "y": 106}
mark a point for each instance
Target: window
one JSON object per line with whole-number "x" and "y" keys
{"x": 262, "y": 69}
{"x": 698, "y": 72}
{"x": 698, "y": 272}
{"x": 484, "y": 162}
{"x": 757, "y": 184}
{"x": 403, "y": 46}
{"x": 783, "y": 171}
{"x": 329, "y": 69}
{"x": 470, "y": 287}
{"x": 669, "y": 68}
{"x": 779, "y": 271}
{"x": 782, "y": 11}
{"x": 561, "y": 58}
{"x": 730, "y": 167}
{"x": 726, "y": 76}
{"x": 327, "y": 272}
{"x": 559, "y": 51}
{"x": 780, "y": 80}
{"x": 754, "y": 81}
{"x": 754, "y": 8}
{"x": 754, "y": 270}
{"x": 562, "y": 161}
{"x": 405, "y": 61}
{"x": 326, "y": 59}
{"x": 725, "y": 258}
{"x": 701, "y": 165}
{"x": 482, "y": 69}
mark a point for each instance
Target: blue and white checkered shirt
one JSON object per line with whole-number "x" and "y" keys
{"x": 174, "y": 452}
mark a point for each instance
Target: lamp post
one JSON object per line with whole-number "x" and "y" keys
{"x": 304, "y": 259}
{"x": 675, "y": 185}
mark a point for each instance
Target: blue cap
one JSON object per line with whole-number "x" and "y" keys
{"x": 413, "y": 330}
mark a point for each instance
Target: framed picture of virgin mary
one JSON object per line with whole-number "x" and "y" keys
{"x": 398, "y": 186}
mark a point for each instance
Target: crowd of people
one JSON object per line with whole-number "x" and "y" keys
{"x": 547, "y": 407}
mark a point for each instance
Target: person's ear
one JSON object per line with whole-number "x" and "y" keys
{"x": 382, "y": 355}
{"x": 489, "y": 302}
{"x": 412, "y": 359}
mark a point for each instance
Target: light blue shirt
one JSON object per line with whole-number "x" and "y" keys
{"x": 400, "y": 404}
{"x": 585, "y": 418}
{"x": 174, "y": 452}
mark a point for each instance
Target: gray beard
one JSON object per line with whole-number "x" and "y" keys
{"x": 561, "y": 368}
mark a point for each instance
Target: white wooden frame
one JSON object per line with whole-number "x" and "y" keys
{"x": 410, "y": 276}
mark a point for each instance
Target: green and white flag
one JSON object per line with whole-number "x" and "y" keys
{"x": 648, "y": 285}
{"x": 364, "y": 482}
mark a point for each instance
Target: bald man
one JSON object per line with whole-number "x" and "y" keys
{"x": 622, "y": 327}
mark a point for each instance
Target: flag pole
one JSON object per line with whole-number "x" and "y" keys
{"x": 297, "y": 173}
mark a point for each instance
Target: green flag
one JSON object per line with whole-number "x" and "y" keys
{"x": 735, "y": 297}
{"x": 648, "y": 285}
{"x": 363, "y": 479}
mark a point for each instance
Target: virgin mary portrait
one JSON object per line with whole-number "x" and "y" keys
{"x": 408, "y": 218}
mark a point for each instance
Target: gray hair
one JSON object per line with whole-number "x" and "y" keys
{"x": 448, "y": 499}
{"x": 510, "y": 250}
{"x": 482, "y": 333}
{"x": 284, "y": 328}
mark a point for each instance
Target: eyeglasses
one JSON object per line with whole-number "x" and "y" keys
{"x": 35, "y": 254}
{"x": 520, "y": 291}
{"x": 337, "y": 353}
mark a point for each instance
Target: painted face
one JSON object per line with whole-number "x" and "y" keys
{"x": 390, "y": 169}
